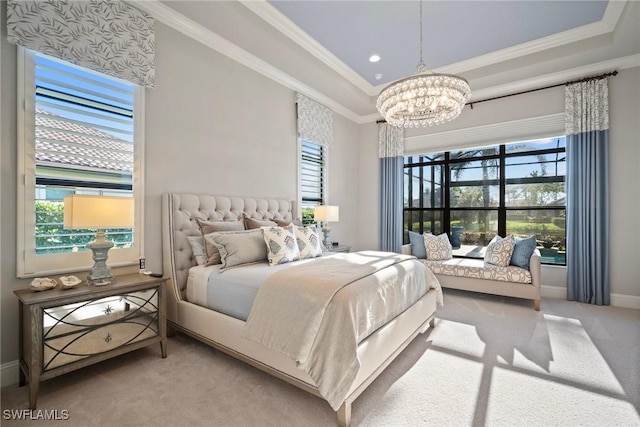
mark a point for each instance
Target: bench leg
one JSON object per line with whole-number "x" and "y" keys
{"x": 536, "y": 304}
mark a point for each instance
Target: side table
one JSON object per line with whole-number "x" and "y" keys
{"x": 62, "y": 330}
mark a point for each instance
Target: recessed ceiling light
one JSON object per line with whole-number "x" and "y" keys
{"x": 378, "y": 76}
{"x": 374, "y": 58}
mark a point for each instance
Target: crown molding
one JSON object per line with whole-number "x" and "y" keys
{"x": 283, "y": 24}
{"x": 606, "y": 25}
{"x": 622, "y": 63}
{"x": 558, "y": 77}
{"x": 190, "y": 28}
{"x": 201, "y": 34}
{"x": 287, "y": 27}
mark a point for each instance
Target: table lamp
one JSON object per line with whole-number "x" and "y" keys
{"x": 326, "y": 214}
{"x": 98, "y": 213}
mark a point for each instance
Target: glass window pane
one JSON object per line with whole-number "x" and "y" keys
{"x": 475, "y": 152}
{"x": 432, "y": 186}
{"x": 475, "y": 184}
{"x": 549, "y": 227}
{"x": 535, "y": 180}
{"x": 536, "y": 145}
{"x": 415, "y": 190}
{"x": 432, "y": 222}
{"x": 478, "y": 226}
{"x": 405, "y": 194}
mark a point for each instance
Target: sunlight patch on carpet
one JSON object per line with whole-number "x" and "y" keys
{"x": 536, "y": 401}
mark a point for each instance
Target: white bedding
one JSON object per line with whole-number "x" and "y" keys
{"x": 361, "y": 308}
{"x": 318, "y": 313}
{"x": 231, "y": 291}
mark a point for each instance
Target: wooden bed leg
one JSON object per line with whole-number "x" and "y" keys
{"x": 536, "y": 304}
{"x": 432, "y": 322}
{"x": 344, "y": 415}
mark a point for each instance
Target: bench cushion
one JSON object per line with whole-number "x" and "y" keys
{"x": 477, "y": 268}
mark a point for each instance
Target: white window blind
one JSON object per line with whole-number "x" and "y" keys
{"x": 312, "y": 174}
{"x": 79, "y": 136}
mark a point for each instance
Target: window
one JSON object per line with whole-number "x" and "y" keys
{"x": 80, "y": 133}
{"x": 312, "y": 178}
{"x": 515, "y": 188}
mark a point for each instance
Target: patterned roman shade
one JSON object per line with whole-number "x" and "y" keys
{"x": 390, "y": 141}
{"x": 111, "y": 37}
{"x": 586, "y": 106}
{"x": 315, "y": 121}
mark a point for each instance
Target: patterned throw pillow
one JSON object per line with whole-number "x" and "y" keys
{"x": 438, "y": 247}
{"x": 281, "y": 244}
{"x": 522, "y": 252}
{"x": 499, "y": 251}
{"x": 308, "y": 241}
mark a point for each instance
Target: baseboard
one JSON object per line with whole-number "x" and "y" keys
{"x": 553, "y": 292}
{"x": 626, "y": 301}
{"x": 9, "y": 373}
{"x": 617, "y": 300}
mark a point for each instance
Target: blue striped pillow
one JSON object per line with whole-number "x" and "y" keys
{"x": 522, "y": 251}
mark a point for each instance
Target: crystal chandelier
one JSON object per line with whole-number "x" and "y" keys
{"x": 424, "y": 99}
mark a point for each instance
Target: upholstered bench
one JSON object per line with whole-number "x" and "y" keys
{"x": 479, "y": 276}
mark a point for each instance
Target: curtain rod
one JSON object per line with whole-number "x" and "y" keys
{"x": 585, "y": 79}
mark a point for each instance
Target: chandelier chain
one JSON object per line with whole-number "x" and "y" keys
{"x": 424, "y": 99}
{"x": 421, "y": 63}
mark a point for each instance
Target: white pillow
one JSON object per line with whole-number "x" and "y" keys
{"x": 197, "y": 247}
{"x": 500, "y": 250}
{"x": 281, "y": 244}
{"x": 438, "y": 247}
{"x": 308, "y": 241}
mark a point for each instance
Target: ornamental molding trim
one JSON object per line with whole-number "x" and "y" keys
{"x": 283, "y": 24}
{"x": 202, "y": 34}
{"x": 188, "y": 27}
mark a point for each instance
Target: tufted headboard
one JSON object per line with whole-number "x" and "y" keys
{"x": 179, "y": 213}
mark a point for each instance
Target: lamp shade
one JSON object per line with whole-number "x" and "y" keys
{"x": 98, "y": 212}
{"x": 326, "y": 213}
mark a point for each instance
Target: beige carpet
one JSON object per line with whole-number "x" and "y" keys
{"x": 489, "y": 361}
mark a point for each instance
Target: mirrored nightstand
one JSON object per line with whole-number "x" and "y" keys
{"x": 62, "y": 330}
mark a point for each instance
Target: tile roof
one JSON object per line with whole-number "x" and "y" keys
{"x": 61, "y": 142}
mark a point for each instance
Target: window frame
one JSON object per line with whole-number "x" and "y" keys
{"x": 445, "y": 210}
{"x": 28, "y": 264}
{"x": 325, "y": 169}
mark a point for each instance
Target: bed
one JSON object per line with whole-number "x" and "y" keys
{"x": 230, "y": 331}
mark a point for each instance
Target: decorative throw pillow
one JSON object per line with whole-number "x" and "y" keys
{"x": 417, "y": 245}
{"x": 252, "y": 223}
{"x": 522, "y": 251}
{"x": 211, "y": 251}
{"x": 281, "y": 244}
{"x": 197, "y": 247}
{"x": 308, "y": 241}
{"x": 499, "y": 251}
{"x": 438, "y": 247}
{"x": 238, "y": 247}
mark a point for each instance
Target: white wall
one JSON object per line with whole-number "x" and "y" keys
{"x": 624, "y": 152}
{"x": 212, "y": 126}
